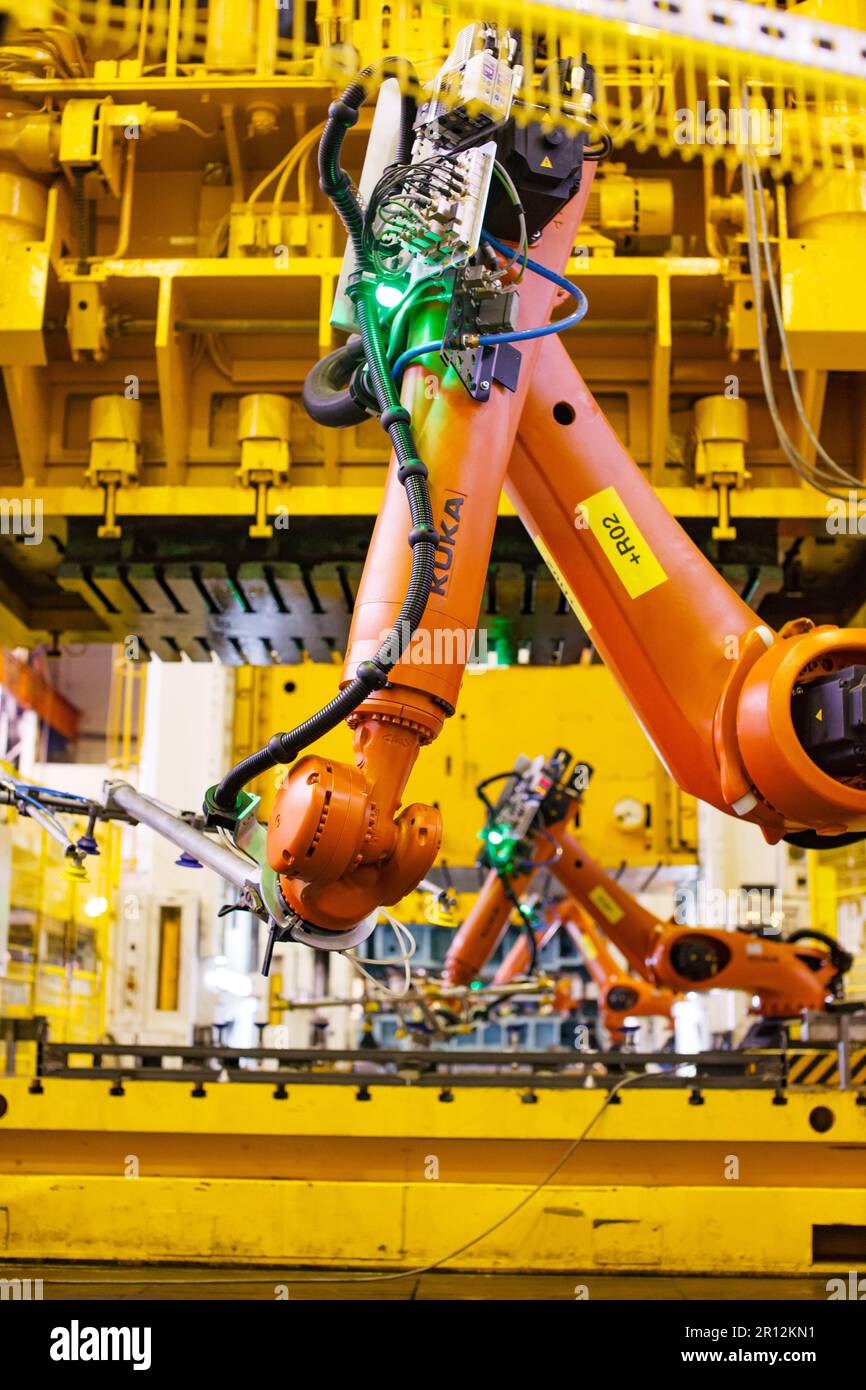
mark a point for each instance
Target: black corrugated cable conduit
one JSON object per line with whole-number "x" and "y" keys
{"x": 328, "y": 393}
{"x": 370, "y": 675}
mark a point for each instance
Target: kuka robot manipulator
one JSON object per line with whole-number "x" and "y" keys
{"x": 456, "y": 352}
{"x": 530, "y": 826}
{"x": 621, "y": 995}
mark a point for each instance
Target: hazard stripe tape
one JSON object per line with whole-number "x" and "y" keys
{"x": 820, "y": 1067}
{"x": 804, "y": 1065}
{"x": 831, "y": 1074}
{"x": 858, "y": 1065}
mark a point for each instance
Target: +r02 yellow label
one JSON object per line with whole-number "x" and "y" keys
{"x": 606, "y": 905}
{"x": 618, "y": 534}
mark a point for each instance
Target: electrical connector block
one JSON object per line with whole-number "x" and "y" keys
{"x": 445, "y": 226}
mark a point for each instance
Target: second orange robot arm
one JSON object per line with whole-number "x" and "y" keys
{"x": 620, "y": 996}
{"x": 784, "y": 976}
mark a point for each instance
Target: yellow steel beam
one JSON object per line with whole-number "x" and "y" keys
{"x": 688, "y": 1229}
{"x": 726, "y": 1117}
{"x": 623, "y": 1163}
{"x": 737, "y": 1184}
{"x": 353, "y": 499}
{"x": 206, "y": 268}
{"x": 645, "y": 267}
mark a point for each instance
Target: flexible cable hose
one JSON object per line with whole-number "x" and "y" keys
{"x": 834, "y": 468}
{"x": 518, "y": 335}
{"x": 373, "y": 674}
{"x": 823, "y": 480}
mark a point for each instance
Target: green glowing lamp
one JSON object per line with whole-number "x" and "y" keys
{"x": 389, "y": 296}
{"x": 500, "y": 843}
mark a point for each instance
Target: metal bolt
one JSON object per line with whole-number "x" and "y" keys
{"x": 485, "y": 386}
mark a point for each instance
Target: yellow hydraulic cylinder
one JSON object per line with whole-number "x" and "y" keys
{"x": 32, "y": 139}
{"x": 23, "y": 203}
{"x": 115, "y": 452}
{"x": 263, "y": 434}
{"x": 23, "y": 267}
{"x": 721, "y": 433}
{"x": 232, "y": 28}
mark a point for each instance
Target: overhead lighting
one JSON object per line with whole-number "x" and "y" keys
{"x": 94, "y": 907}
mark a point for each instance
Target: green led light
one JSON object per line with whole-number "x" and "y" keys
{"x": 388, "y": 296}
{"x": 476, "y": 984}
{"x": 495, "y": 837}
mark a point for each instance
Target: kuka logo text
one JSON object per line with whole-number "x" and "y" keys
{"x": 444, "y": 554}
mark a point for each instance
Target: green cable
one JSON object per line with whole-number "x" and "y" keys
{"x": 410, "y": 301}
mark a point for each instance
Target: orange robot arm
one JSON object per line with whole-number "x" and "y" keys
{"x": 712, "y": 685}
{"x": 717, "y": 690}
{"x": 333, "y": 838}
{"x": 476, "y": 940}
{"x": 785, "y": 976}
{"x": 620, "y": 995}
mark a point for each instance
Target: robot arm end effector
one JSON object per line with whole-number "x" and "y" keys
{"x": 790, "y": 734}
{"x": 335, "y": 838}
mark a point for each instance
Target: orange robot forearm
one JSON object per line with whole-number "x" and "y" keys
{"x": 333, "y": 838}
{"x": 620, "y": 996}
{"x": 711, "y": 684}
{"x": 784, "y": 976}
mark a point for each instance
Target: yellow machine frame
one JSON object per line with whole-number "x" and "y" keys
{"x": 403, "y": 1179}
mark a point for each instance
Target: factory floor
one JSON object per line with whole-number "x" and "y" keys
{"x": 141, "y": 1282}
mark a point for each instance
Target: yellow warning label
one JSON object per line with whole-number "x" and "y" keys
{"x": 562, "y": 582}
{"x": 617, "y": 533}
{"x": 605, "y": 903}
{"x": 546, "y": 163}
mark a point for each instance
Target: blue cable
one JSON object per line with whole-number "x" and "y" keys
{"x": 519, "y": 335}
{"x": 31, "y": 801}
{"x": 72, "y": 796}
